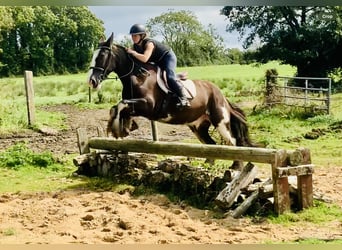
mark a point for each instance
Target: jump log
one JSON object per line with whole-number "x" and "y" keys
{"x": 283, "y": 162}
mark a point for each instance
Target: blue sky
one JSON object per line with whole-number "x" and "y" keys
{"x": 119, "y": 19}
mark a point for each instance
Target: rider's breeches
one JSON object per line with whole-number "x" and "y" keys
{"x": 169, "y": 64}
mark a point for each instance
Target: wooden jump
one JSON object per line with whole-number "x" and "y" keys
{"x": 284, "y": 163}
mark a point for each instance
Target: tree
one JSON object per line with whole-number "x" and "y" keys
{"x": 301, "y": 36}
{"x": 47, "y": 39}
{"x": 191, "y": 42}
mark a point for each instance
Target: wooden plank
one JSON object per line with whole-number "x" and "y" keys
{"x": 295, "y": 171}
{"x": 82, "y": 141}
{"x": 28, "y": 77}
{"x": 226, "y": 197}
{"x": 240, "y": 210}
{"x": 248, "y": 154}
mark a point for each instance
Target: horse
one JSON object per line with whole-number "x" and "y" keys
{"x": 145, "y": 94}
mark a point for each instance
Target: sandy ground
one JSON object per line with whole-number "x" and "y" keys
{"x": 83, "y": 216}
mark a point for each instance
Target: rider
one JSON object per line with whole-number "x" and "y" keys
{"x": 146, "y": 49}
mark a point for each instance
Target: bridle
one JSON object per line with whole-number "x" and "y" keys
{"x": 104, "y": 71}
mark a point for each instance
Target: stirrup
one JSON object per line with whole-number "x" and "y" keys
{"x": 183, "y": 103}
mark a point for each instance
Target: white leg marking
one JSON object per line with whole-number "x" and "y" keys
{"x": 116, "y": 122}
{"x": 223, "y": 130}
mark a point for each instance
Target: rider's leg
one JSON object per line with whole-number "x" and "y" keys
{"x": 178, "y": 88}
{"x": 170, "y": 62}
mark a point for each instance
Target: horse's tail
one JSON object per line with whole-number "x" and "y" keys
{"x": 239, "y": 127}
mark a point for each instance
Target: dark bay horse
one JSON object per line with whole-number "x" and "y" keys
{"x": 143, "y": 96}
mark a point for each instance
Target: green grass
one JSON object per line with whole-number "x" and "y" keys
{"x": 8, "y": 232}
{"x": 284, "y": 127}
{"x": 25, "y": 170}
{"x": 236, "y": 82}
{"x": 252, "y": 72}
{"x": 320, "y": 214}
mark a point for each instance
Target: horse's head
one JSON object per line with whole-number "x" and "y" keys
{"x": 120, "y": 122}
{"x": 102, "y": 63}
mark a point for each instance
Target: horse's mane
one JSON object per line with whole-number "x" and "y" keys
{"x": 118, "y": 47}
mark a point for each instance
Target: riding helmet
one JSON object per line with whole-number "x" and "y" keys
{"x": 137, "y": 29}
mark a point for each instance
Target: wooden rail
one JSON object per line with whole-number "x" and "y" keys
{"x": 283, "y": 162}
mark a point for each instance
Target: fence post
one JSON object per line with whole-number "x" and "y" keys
{"x": 28, "y": 77}
{"x": 285, "y": 90}
{"x": 329, "y": 96}
{"x": 306, "y": 92}
{"x": 280, "y": 185}
{"x": 154, "y": 131}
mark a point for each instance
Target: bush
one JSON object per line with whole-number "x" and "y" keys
{"x": 20, "y": 155}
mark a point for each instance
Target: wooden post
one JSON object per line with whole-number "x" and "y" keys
{"x": 89, "y": 94}
{"x": 82, "y": 141}
{"x": 28, "y": 76}
{"x": 305, "y": 191}
{"x": 304, "y": 183}
{"x": 154, "y": 131}
{"x": 280, "y": 185}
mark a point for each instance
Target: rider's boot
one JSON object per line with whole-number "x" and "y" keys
{"x": 183, "y": 100}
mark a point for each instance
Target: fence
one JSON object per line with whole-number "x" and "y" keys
{"x": 317, "y": 98}
{"x": 284, "y": 163}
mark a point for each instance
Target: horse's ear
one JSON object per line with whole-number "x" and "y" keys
{"x": 110, "y": 40}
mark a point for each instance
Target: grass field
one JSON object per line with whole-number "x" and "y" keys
{"x": 49, "y": 90}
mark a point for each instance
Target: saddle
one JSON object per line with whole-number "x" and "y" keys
{"x": 182, "y": 78}
{"x": 143, "y": 71}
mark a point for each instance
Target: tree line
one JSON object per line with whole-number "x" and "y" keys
{"x": 60, "y": 39}
{"x": 47, "y": 39}
{"x": 307, "y": 37}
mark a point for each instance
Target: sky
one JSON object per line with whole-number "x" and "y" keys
{"x": 119, "y": 19}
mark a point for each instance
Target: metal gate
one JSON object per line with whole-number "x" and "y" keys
{"x": 317, "y": 98}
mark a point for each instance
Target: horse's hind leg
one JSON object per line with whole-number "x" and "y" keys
{"x": 225, "y": 132}
{"x": 222, "y": 124}
{"x": 201, "y": 131}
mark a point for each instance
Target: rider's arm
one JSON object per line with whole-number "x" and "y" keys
{"x": 147, "y": 53}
